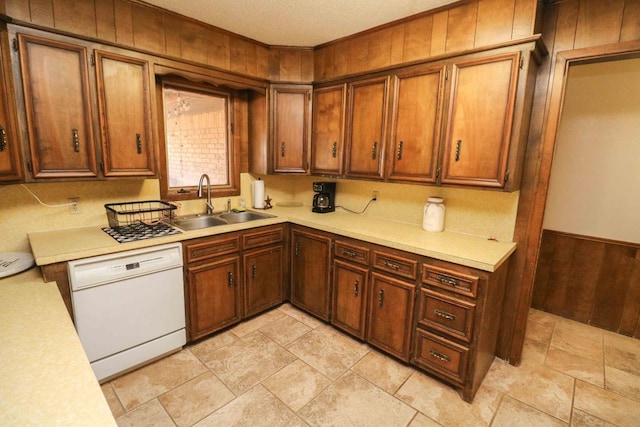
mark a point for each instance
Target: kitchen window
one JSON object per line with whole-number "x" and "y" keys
{"x": 197, "y": 130}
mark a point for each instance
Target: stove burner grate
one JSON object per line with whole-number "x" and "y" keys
{"x": 139, "y": 231}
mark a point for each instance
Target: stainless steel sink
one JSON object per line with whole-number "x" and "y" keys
{"x": 196, "y": 222}
{"x": 235, "y": 217}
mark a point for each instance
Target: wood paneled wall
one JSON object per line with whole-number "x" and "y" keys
{"x": 467, "y": 25}
{"x": 567, "y": 25}
{"x": 589, "y": 280}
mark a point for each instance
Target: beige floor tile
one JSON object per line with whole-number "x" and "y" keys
{"x": 582, "y": 419}
{"x": 285, "y": 330}
{"x": 257, "y": 407}
{"x": 542, "y": 317}
{"x": 444, "y": 405}
{"x": 112, "y": 400}
{"x": 354, "y": 401}
{"x": 606, "y": 405}
{"x": 540, "y": 387}
{"x": 150, "y": 414}
{"x": 256, "y": 323}
{"x": 579, "y": 339}
{"x": 248, "y": 361}
{"x": 159, "y": 377}
{"x": 301, "y": 316}
{"x": 421, "y": 420}
{"x": 513, "y": 413}
{"x": 540, "y": 328}
{"x": 534, "y": 353}
{"x": 296, "y": 384}
{"x": 622, "y": 353}
{"x": 195, "y": 399}
{"x": 623, "y": 383}
{"x": 383, "y": 371}
{"x": 579, "y": 367}
{"x": 328, "y": 351}
{"x": 208, "y": 346}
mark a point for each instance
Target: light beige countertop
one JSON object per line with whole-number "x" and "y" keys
{"x": 471, "y": 251}
{"x": 45, "y": 377}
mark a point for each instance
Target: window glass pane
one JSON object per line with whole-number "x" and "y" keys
{"x": 196, "y": 136}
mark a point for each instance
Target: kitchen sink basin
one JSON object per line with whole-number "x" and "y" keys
{"x": 196, "y": 222}
{"x": 234, "y": 217}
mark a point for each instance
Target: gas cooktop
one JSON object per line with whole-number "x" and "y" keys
{"x": 140, "y": 231}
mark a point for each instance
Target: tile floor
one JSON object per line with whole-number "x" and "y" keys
{"x": 285, "y": 368}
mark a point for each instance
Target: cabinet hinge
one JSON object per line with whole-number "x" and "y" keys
{"x": 437, "y": 173}
{"x": 446, "y": 74}
{"x": 232, "y": 128}
{"x": 14, "y": 43}
{"x": 102, "y": 166}
{"x": 521, "y": 63}
{"x": 29, "y": 166}
{"x": 92, "y": 59}
{"x": 506, "y": 176}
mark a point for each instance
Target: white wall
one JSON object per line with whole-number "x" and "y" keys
{"x": 595, "y": 176}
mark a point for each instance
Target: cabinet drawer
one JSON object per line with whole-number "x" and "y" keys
{"x": 353, "y": 253}
{"x": 209, "y": 248}
{"x": 262, "y": 237}
{"x": 450, "y": 280}
{"x": 401, "y": 266}
{"x": 446, "y": 314}
{"x": 441, "y": 356}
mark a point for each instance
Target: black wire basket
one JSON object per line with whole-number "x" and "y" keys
{"x": 149, "y": 212}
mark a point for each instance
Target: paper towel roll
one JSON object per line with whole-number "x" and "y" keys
{"x": 258, "y": 194}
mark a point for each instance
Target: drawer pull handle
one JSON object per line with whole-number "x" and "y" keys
{"x": 374, "y": 150}
{"x": 334, "y": 149}
{"x": 3, "y": 139}
{"x": 230, "y": 279}
{"x": 253, "y": 271}
{"x": 439, "y": 356}
{"x": 391, "y": 265}
{"x": 355, "y": 288}
{"x": 348, "y": 252}
{"x": 458, "y": 149}
{"x": 282, "y": 150}
{"x": 297, "y": 248}
{"x": 399, "y": 154}
{"x": 445, "y": 315}
{"x": 381, "y": 297}
{"x": 138, "y": 143}
{"x": 446, "y": 280}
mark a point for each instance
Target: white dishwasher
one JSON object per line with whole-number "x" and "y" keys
{"x": 128, "y": 307}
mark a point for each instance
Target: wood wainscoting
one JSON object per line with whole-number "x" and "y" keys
{"x": 590, "y": 280}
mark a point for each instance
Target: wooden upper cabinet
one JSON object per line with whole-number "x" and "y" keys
{"x": 57, "y": 100}
{"x": 481, "y": 108}
{"x": 125, "y": 115}
{"x": 367, "y": 127}
{"x": 10, "y": 169}
{"x": 415, "y": 125}
{"x": 327, "y": 134}
{"x": 290, "y": 113}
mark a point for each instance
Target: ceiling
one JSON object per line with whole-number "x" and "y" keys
{"x": 297, "y": 22}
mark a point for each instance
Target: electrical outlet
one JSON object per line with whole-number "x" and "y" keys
{"x": 74, "y": 207}
{"x": 375, "y": 195}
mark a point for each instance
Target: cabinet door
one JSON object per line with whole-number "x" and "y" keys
{"x": 55, "y": 83}
{"x": 125, "y": 115}
{"x": 290, "y": 133}
{"x": 215, "y": 299}
{"x": 479, "y": 123}
{"x": 310, "y": 272}
{"x": 367, "y": 128}
{"x": 391, "y": 305}
{"x": 9, "y": 158}
{"x": 349, "y": 300}
{"x": 263, "y": 278}
{"x": 415, "y": 126}
{"x": 328, "y": 130}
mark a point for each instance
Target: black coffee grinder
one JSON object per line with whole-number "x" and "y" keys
{"x": 325, "y": 198}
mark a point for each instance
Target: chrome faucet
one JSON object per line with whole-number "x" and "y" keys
{"x": 228, "y": 205}
{"x": 208, "y": 202}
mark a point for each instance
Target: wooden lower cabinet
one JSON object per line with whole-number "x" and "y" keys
{"x": 349, "y": 300}
{"x": 215, "y": 295}
{"x": 311, "y": 271}
{"x": 263, "y": 278}
{"x": 457, "y": 321}
{"x": 391, "y": 304}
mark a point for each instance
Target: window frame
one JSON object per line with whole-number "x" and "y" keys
{"x": 232, "y": 188}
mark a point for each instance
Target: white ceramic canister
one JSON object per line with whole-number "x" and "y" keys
{"x": 433, "y": 218}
